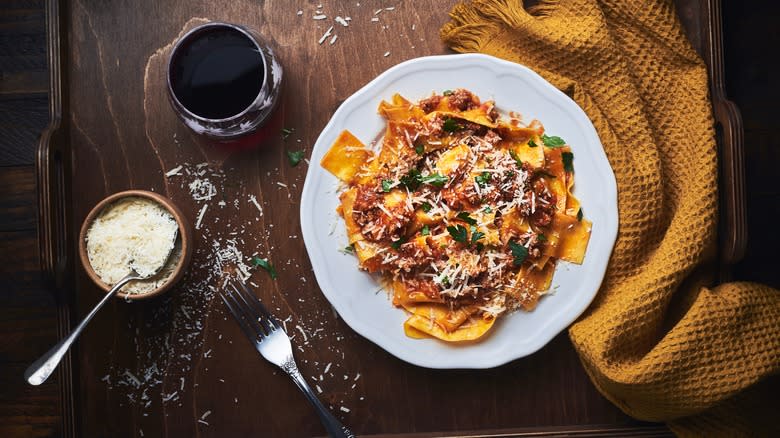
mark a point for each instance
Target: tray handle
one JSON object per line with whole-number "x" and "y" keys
{"x": 733, "y": 227}
{"x": 52, "y": 167}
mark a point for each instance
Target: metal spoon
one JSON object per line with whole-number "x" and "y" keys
{"x": 41, "y": 369}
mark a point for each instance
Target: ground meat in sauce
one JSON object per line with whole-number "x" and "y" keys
{"x": 544, "y": 204}
{"x": 374, "y": 223}
{"x": 462, "y": 100}
{"x": 429, "y": 104}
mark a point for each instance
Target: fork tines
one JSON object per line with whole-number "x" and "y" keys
{"x": 251, "y": 314}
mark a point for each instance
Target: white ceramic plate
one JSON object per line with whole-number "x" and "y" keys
{"x": 354, "y": 294}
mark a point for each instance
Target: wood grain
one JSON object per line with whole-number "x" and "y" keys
{"x": 129, "y": 139}
{"x": 24, "y": 411}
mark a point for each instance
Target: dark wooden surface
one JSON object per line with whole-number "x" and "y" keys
{"x": 559, "y": 394}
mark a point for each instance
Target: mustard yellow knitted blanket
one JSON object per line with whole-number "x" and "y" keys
{"x": 657, "y": 341}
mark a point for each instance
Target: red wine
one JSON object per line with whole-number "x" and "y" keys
{"x": 218, "y": 73}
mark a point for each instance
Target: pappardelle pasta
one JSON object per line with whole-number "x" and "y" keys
{"x": 463, "y": 212}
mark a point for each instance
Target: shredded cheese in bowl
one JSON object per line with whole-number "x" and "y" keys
{"x": 133, "y": 230}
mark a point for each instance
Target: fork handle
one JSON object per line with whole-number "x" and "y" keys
{"x": 332, "y": 425}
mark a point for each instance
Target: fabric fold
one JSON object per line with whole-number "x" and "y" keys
{"x": 659, "y": 341}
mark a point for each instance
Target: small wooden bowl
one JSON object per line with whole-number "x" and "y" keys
{"x": 185, "y": 237}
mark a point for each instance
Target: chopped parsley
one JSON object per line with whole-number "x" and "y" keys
{"x": 426, "y": 207}
{"x": 419, "y": 148}
{"x": 411, "y": 180}
{"x": 487, "y": 209}
{"x": 265, "y": 264}
{"x": 464, "y": 216}
{"x": 450, "y": 125}
{"x": 397, "y": 244}
{"x": 434, "y": 179}
{"x": 579, "y": 215}
{"x": 483, "y": 179}
{"x": 447, "y": 92}
{"x": 286, "y": 132}
{"x": 541, "y": 237}
{"x": 567, "y": 158}
{"x": 552, "y": 141}
{"x": 387, "y": 185}
{"x": 516, "y": 158}
{"x": 532, "y": 144}
{"x": 425, "y": 230}
{"x": 349, "y": 249}
{"x": 459, "y": 233}
{"x": 445, "y": 281}
{"x": 294, "y": 157}
{"x": 414, "y": 178}
{"x": 519, "y": 252}
{"x": 476, "y": 235}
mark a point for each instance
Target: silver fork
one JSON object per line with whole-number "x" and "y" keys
{"x": 269, "y": 338}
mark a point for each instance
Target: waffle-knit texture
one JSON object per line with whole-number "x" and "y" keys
{"x": 656, "y": 341}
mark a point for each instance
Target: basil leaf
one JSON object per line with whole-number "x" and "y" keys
{"x": 483, "y": 179}
{"x": 464, "y": 216}
{"x": 553, "y": 141}
{"x": 265, "y": 264}
{"x": 294, "y": 157}
{"x": 387, "y": 185}
{"x": 516, "y": 158}
{"x": 459, "y": 233}
{"x": 434, "y": 179}
{"x": 426, "y": 207}
{"x": 519, "y": 252}
{"x": 568, "y": 159}
{"x": 450, "y": 125}
{"x": 425, "y": 231}
{"x": 397, "y": 244}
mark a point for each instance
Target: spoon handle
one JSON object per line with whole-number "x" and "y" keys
{"x": 41, "y": 369}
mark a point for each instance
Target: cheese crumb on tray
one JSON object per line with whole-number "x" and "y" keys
{"x": 137, "y": 230}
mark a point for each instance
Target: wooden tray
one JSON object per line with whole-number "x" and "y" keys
{"x": 179, "y": 366}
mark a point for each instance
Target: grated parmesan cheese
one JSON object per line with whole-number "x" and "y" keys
{"x": 135, "y": 232}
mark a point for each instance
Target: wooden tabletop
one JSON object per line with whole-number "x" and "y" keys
{"x": 210, "y": 381}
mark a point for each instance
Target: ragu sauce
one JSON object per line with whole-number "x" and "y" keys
{"x": 223, "y": 82}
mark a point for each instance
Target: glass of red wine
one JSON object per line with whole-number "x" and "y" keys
{"x": 224, "y": 82}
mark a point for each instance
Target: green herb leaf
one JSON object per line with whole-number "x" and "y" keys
{"x": 568, "y": 159}
{"x": 459, "y": 233}
{"x": 419, "y": 148}
{"x": 552, "y": 141}
{"x": 483, "y": 179}
{"x": 434, "y": 179}
{"x": 265, "y": 264}
{"x": 516, "y": 158}
{"x": 411, "y": 180}
{"x": 397, "y": 244}
{"x": 476, "y": 235}
{"x": 425, "y": 230}
{"x": 532, "y": 144}
{"x": 541, "y": 237}
{"x": 464, "y": 216}
{"x": 426, "y": 207}
{"x": 447, "y": 92}
{"x": 387, "y": 185}
{"x": 487, "y": 209}
{"x": 349, "y": 248}
{"x": 450, "y": 125}
{"x": 579, "y": 215}
{"x": 519, "y": 252}
{"x": 286, "y": 132}
{"x": 294, "y": 157}
{"x": 480, "y": 246}
{"x": 445, "y": 281}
